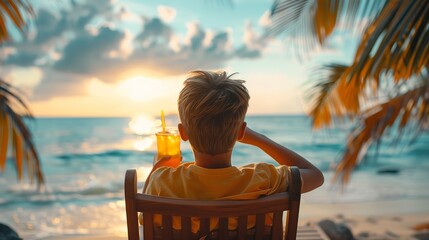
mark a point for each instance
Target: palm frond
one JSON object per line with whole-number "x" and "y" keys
{"x": 393, "y": 45}
{"x": 394, "y": 42}
{"x": 334, "y": 96}
{"x": 7, "y": 90}
{"x": 410, "y": 106}
{"x": 13, "y": 128}
{"x": 15, "y": 11}
{"x": 313, "y": 21}
{"x": 325, "y": 18}
{"x": 4, "y": 138}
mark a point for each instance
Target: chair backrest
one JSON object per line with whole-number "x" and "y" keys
{"x": 205, "y": 210}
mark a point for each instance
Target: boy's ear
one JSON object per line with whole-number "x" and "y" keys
{"x": 242, "y": 131}
{"x": 182, "y": 132}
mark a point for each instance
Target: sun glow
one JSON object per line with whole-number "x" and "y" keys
{"x": 143, "y": 144}
{"x": 141, "y": 89}
{"x": 144, "y": 125}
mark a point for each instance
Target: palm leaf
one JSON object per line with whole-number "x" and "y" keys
{"x": 4, "y": 138}
{"x": 325, "y": 18}
{"x": 323, "y": 96}
{"x": 394, "y": 46}
{"x": 7, "y": 90}
{"x": 412, "y": 105}
{"x": 13, "y": 123}
{"x": 13, "y": 10}
{"x": 17, "y": 143}
{"x": 393, "y": 43}
{"x": 334, "y": 96}
{"x": 313, "y": 21}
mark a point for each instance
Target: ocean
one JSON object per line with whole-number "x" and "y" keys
{"x": 84, "y": 162}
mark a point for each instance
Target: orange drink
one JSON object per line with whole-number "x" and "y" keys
{"x": 168, "y": 142}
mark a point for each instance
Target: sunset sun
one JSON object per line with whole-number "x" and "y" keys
{"x": 140, "y": 89}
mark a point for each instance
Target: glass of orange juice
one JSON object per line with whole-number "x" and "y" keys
{"x": 168, "y": 142}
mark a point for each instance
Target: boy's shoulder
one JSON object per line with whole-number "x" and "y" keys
{"x": 262, "y": 167}
{"x": 190, "y": 168}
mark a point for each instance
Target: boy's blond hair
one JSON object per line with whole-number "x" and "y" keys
{"x": 212, "y": 107}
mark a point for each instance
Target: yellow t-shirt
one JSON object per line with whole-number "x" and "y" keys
{"x": 193, "y": 182}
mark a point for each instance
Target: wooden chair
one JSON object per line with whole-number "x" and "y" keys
{"x": 222, "y": 209}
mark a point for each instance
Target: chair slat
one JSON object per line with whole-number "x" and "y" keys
{"x": 223, "y": 228}
{"x": 260, "y": 226}
{"x": 167, "y": 227}
{"x": 204, "y": 226}
{"x": 186, "y": 228}
{"x": 130, "y": 190}
{"x": 242, "y": 227}
{"x": 277, "y": 228}
{"x": 292, "y": 220}
{"x": 294, "y": 190}
{"x": 148, "y": 226}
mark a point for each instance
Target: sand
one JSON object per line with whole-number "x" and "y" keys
{"x": 372, "y": 220}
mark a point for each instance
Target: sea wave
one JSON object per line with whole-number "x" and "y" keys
{"x": 108, "y": 153}
{"x": 418, "y": 151}
{"x": 62, "y": 196}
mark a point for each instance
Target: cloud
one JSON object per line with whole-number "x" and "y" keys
{"x": 220, "y": 43}
{"x": 195, "y": 36}
{"x": 265, "y": 19}
{"x": 89, "y": 54}
{"x": 56, "y": 83}
{"x": 254, "y": 44}
{"x": 154, "y": 30}
{"x": 50, "y": 30}
{"x": 125, "y": 15}
{"x": 88, "y": 41}
{"x": 49, "y": 26}
{"x": 23, "y": 59}
{"x": 167, "y": 14}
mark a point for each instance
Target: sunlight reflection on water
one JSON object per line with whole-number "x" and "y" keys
{"x": 143, "y": 144}
{"x": 144, "y": 125}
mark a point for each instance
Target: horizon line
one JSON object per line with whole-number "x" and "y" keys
{"x": 248, "y": 115}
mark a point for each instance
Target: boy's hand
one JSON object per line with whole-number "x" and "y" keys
{"x": 167, "y": 161}
{"x": 249, "y": 137}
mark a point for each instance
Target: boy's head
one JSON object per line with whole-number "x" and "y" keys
{"x": 212, "y": 108}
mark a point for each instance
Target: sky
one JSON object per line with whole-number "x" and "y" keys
{"x": 101, "y": 58}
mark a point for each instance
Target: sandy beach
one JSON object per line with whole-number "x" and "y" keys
{"x": 372, "y": 220}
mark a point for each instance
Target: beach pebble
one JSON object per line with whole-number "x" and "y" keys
{"x": 363, "y": 235}
{"x": 336, "y": 231}
{"x": 422, "y": 235}
{"x": 7, "y": 233}
{"x": 371, "y": 220}
{"x": 392, "y": 234}
{"x": 388, "y": 171}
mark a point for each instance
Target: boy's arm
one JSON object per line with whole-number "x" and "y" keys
{"x": 311, "y": 176}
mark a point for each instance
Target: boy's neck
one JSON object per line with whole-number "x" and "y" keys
{"x": 205, "y": 160}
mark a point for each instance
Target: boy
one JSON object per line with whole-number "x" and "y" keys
{"x": 212, "y": 108}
